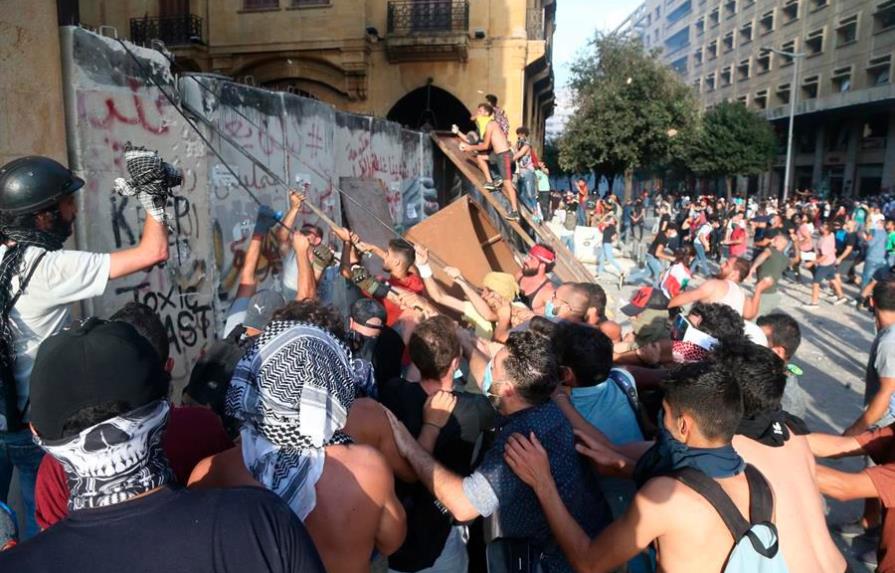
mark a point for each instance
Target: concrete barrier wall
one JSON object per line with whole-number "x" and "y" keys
{"x": 109, "y": 102}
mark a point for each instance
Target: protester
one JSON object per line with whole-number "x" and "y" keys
{"x": 724, "y": 288}
{"x": 774, "y": 442}
{"x": 448, "y": 425}
{"x": 535, "y": 287}
{"x": 525, "y": 168}
{"x": 292, "y": 393}
{"x": 495, "y": 141}
{"x": 191, "y": 434}
{"x": 701, "y": 411}
{"x": 371, "y": 339}
{"x": 523, "y": 376}
{"x": 596, "y": 312}
{"x": 784, "y": 337}
{"x": 99, "y": 406}
{"x": 656, "y": 254}
{"x": 606, "y": 254}
{"x": 39, "y": 279}
{"x": 770, "y": 266}
{"x": 825, "y": 267}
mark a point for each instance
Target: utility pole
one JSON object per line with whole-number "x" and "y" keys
{"x": 793, "y": 99}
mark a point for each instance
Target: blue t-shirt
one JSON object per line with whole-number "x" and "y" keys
{"x": 518, "y": 513}
{"x": 876, "y": 246}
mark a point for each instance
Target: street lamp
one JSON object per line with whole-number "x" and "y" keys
{"x": 793, "y": 97}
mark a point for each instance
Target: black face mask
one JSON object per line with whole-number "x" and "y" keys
{"x": 361, "y": 346}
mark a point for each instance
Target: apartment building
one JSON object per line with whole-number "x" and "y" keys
{"x": 844, "y": 140}
{"x": 422, "y": 63}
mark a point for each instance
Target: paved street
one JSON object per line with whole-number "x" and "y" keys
{"x": 833, "y": 354}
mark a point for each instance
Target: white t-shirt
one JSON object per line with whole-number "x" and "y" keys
{"x": 62, "y": 277}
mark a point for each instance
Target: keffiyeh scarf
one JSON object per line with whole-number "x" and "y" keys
{"x": 150, "y": 180}
{"x": 292, "y": 392}
{"x": 115, "y": 460}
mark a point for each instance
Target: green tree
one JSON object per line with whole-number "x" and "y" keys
{"x": 632, "y": 111}
{"x": 731, "y": 141}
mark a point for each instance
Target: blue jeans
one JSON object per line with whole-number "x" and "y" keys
{"x": 582, "y": 216}
{"x": 18, "y": 450}
{"x": 607, "y": 256}
{"x": 651, "y": 272}
{"x": 527, "y": 189}
{"x": 700, "y": 262}
{"x": 870, "y": 267}
{"x": 569, "y": 242}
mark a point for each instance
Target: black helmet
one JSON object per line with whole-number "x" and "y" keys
{"x": 33, "y": 183}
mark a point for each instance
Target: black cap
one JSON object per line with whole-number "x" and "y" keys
{"x": 94, "y": 363}
{"x": 364, "y": 309}
{"x": 33, "y": 183}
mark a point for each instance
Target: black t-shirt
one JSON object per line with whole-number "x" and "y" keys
{"x": 609, "y": 234}
{"x": 664, "y": 221}
{"x": 658, "y": 245}
{"x": 386, "y": 354}
{"x": 230, "y": 530}
{"x": 428, "y": 523}
{"x": 851, "y": 240}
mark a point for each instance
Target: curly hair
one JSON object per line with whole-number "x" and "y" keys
{"x": 531, "y": 364}
{"x": 720, "y": 321}
{"x": 760, "y": 373}
{"x": 315, "y": 313}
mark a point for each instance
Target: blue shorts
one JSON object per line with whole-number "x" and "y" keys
{"x": 824, "y": 273}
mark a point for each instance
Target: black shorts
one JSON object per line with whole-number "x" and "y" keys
{"x": 504, "y": 163}
{"x": 845, "y": 267}
{"x": 824, "y": 273}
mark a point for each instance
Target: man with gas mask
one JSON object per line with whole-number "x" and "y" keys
{"x": 39, "y": 280}
{"x": 370, "y": 338}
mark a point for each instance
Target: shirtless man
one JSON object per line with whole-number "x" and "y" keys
{"x": 534, "y": 284}
{"x": 495, "y": 140}
{"x": 724, "y": 288}
{"x": 702, "y": 409}
{"x": 596, "y": 312}
{"x": 767, "y": 440}
{"x": 344, "y": 493}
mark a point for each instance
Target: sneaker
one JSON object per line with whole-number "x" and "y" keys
{"x": 810, "y": 305}
{"x": 840, "y": 300}
{"x": 489, "y": 186}
{"x": 512, "y": 216}
{"x": 854, "y": 529}
{"x": 498, "y": 183}
{"x": 867, "y": 557}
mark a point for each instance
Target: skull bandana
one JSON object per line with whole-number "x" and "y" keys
{"x": 292, "y": 392}
{"x": 115, "y": 460}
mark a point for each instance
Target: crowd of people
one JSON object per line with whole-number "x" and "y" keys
{"x": 376, "y": 407}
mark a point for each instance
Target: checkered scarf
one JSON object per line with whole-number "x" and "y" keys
{"x": 292, "y": 392}
{"x": 150, "y": 180}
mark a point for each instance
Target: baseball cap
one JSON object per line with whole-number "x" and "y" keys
{"x": 645, "y": 297}
{"x": 94, "y": 363}
{"x": 261, "y": 308}
{"x": 365, "y": 309}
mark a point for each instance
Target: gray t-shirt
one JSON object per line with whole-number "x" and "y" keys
{"x": 881, "y": 364}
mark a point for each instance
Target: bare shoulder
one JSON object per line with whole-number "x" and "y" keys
{"x": 666, "y": 496}
{"x": 224, "y": 469}
{"x": 612, "y": 330}
{"x": 366, "y": 465}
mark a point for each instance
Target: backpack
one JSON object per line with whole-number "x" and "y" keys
{"x": 756, "y": 546}
{"x": 625, "y": 382}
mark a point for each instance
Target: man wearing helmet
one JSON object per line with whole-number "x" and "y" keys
{"x": 39, "y": 279}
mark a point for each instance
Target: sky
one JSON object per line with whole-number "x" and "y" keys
{"x": 576, "y": 21}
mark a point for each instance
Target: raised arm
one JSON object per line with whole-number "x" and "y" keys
{"x": 433, "y": 287}
{"x": 282, "y": 231}
{"x": 472, "y": 295}
{"x": 152, "y": 250}
{"x": 307, "y": 283}
{"x": 248, "y": 284}
{"x": 704, "y": 292}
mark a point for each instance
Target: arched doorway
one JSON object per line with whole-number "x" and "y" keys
{"x": 430, "y": 107}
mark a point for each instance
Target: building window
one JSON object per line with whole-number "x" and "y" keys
{"x": 697, "y": 57}
{"x": 728, "y": 42}
{"x": 743, "y": 99}
{"x": 790, "y": 47}
{"x": 715, "y": 17}
{"x": 767, "y": 23}
{"x": 680, "y": 66}
{"x": 875, "y": 132}
{"x": 818, "y": 4}
{"x": 746, "y": 33}
{"x": 306, "y": 3}
{"x": 697, "y": 84}
{"x": 763, "y": 63}
{"x": 678, "y": 13}
{"x": 791, "y": 11}
{"x": 783, "y": 91}
{"x": 700, "y": 26}
{"x": 260, "y": 4}
{"x": 710, "y": 83}
{"x": 743, "y": 70}
{"x": 884, "y": 17}
{"x": 814, "y": 42}
{"x": 810, "y": 87}
{"x": 878, "y": 70}
{"x": 761, "y": 99}
{"x": 726, "y": 76}
{"x": 712, "y": 50}
{"x": 841, "y": 79}
{"x": 847, "y": 31}
{"x": 730, "y": 7}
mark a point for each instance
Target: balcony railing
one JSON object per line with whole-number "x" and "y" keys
{"x": 430, "y": 16}
{"x": 173, "y": 31}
